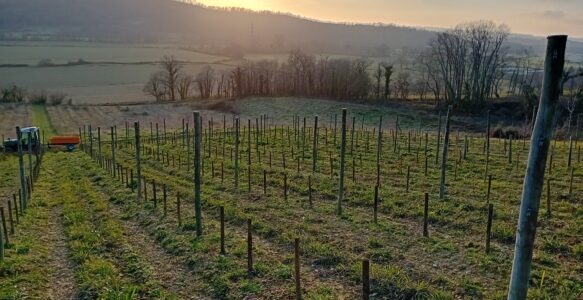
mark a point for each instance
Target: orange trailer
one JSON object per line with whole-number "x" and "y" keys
{"x": 70, "y": 141}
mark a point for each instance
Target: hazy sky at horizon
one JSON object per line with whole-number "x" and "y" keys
{"x": 538, "y": 17}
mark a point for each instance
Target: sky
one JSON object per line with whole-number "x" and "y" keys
{"x": 536, "y": 17}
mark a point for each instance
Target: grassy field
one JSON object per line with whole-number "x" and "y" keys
{"x": 116, "y": 73}
{"x": 99, "y": 241}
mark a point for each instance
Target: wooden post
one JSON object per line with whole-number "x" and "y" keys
{"x": 489, "y": 187}
{"x": 310, "y": 191}
{"x": 222, "y": 219}
{"x": 376, "y": 203}
{"x": 571, "y": 181}
{"x": 113, "y": 148}
{"x": 138, "y": 166}
{"x": 264, "y": 182}
{"x": 426, "y": 216}
{"x": 23, "y": 195}
{"x": 197, "y": 172}
{"x": 16, "y": 207}
{"x": 285, "y": 186}
{"x": 548, "y": 198}
{"x": 4, "y": 226}
{"x": 155, "y": 192}
{"x": 487, "y": 146}
{"x": 365, "y": 279}
{"x": 489, "y": 226}
{"x": 444, "y": 159}
{"x": 249, "y": 249}
{"x": 10, "y": 216}
{"x": 534, "y": 177}
{"x": 145, "y": 189}
{"x": 342, "y": 163}
{"x": 379, "y": 149}
{"x": 132, "y": 185}
{"x": 297, "y": 268}
{"x": 315, "y": 145}
{"x": 99, "y": 141}
{"x": 178, "y": 214}
{"x": 236, "y": 154}
{"x": 407, "y": 186}
{"x": 157, "y": 143}
{"x": 30, "y": 172}
{"x": 164, "y": 199}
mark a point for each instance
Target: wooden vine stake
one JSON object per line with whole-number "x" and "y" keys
{"x": 23, "y": 195}
{"x": 138, "y": 166}
{"x": 197, "y": 172}
{"x": 426, "y": 216}
{"x": 365, "y": 279}
{"x": 489, "y": 226}
{"x": 534, "y": 177}
{"x": 297, "y": 268}
{"x": 222, "y": 217}
{"x": 342, "y": 163}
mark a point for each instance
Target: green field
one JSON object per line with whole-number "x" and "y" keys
{"x": 100, "y": 241}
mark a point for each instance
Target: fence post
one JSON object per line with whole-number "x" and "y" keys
{"x": 23, "y": 195}
{"x": 138, "y": 167}
{"x": 297, "y": 268}
{"x": 426, "y": 216}
{"x": 342, "y": 163}
{"x": 534, "y": 177}
{"x": 315, "y": 145}
{"x": 365, "y": 279}
{"x": 222, "y": 217}
{"x": 489, "y": 226}
{"x": 197, "y": 172}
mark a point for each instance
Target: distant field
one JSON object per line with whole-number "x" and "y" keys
{"x": 117, "y": 73}
{"x": 63, "y": 52}
{"x": 12, "y": 115}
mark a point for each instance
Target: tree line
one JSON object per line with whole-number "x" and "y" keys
{"x": 464, "y": 66}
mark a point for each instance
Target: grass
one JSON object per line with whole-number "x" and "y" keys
{"x": 450, "y": 263}
{"x": 457, "y": 223}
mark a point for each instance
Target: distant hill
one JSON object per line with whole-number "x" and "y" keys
{"x": 171, "y": 21}
{"x": 227, "y": 30}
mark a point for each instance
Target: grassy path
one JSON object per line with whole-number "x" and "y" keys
{"x": 37, "y": 263}
{"x": 40, "y": 118}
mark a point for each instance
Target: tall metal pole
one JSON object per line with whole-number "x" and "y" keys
{"x": 534, "y": 177}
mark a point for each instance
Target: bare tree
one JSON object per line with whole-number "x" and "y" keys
{"x": 469, "y": 57}
{"x": 184, "y": 85}
{"x": 156, "y": 86}
{"x": 205, "y": 81}
{"x": 402, "y": 85}
{"x": 171, "y": 69}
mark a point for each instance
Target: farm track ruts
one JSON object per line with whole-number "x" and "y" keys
{"x": 44, "y": 269}
{"x": 63, "y": 280}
